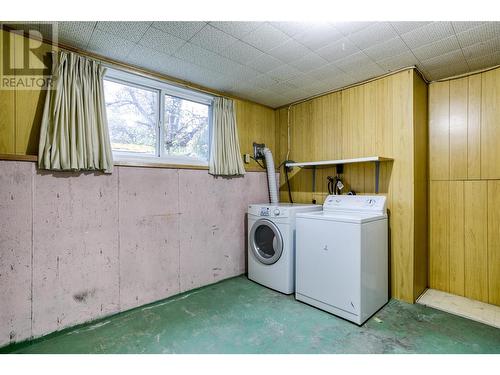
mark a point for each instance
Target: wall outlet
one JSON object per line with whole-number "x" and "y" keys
{"x": 246, "y": 158}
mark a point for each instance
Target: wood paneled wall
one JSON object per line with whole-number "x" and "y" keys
{"x": 385, "y": 117}
{"x": 21, "y": 113}
{"x": 464, "y": 151}
{"x": 256, "y": 123}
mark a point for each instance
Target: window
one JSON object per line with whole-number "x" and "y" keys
{"x": 151, "y": 119}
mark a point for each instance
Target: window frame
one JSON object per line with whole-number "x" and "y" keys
{"x": 161, "y": 88}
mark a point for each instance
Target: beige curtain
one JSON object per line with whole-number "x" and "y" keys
{"x": 225, "y": 156}
{"x": 74, "y": 132}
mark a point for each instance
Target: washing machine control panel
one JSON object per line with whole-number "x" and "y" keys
{"x": 363, "y": 203}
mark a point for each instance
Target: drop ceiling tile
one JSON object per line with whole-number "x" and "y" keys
{"x": 248, "y": 86}
{"x": 181, "y": 29}
{"x": 244, "y": 73}
{"x": 218, "y": 82}
{"x": 161, "y": 41}
{"x": 284, "y": 72}
{"x": 339, "y": 80}
{"x": 461, "y": 26}
{"x": 264, "y": 81}
{"x": 148, "y": 58}
{"x": 485, "y": 48}
{"x": 205, "y": 58}
{"x": 438, "y": 48}
{"x": 276, "y": 102}
{"x": 180, "y": 69}
{"x": 238, "y": 29}
{"x": 302, "y": 81}
{"x": 325, "y": 72}
{"x": 241, "y": 52}
{"x": 295, "y": 95}
{"x": 289, "y": 51}
{"x": 311, "y": 91}
{"x": 359, "y": 66}
{"x": 226, "y": 66}
{"x": 190, "y": 72}
{"x": 292, "y": 28}
{"x": 320, "y": 87}
{"x": 109, "y": 45}
{"x": 427, "y": 34}
{"x": 212, "y": 39}
{"x": 338, "y": 50}
{"x": 356, "y": 60}
{"x": 258, "y": 95}
{"x": 367, "y": 71}
{"x": 487, "y": 31}
{"x": 208, "y": 78}
{"x": 374, "y": 34}
{"x": 318, "y": 35}
{"x": 347, "y": 28}
{"x": 405, "y": 26}
{"x": 400, "y": 61}
{"x": 448, "y": 71}
{"x": 454, "y": 58}
{"x": 265, "y": 38}
{"x": 392, "y": 47}
{"x": 282, "y": 88}
{"x": 132, "y": 31}
{"x": 309, "y": 62}
{"x": 484, "y": 61}
{"x": 265, "y": 63}
{"x": 75, "y": 34}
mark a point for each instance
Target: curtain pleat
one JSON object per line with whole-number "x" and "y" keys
{"x": 74, "y": 132}
{"x": 225, "y": 156}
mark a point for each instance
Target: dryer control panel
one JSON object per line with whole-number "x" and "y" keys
{"x": 356, "y": 203}
{"x": 268, "y": 211}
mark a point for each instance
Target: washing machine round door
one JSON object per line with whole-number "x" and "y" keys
{"x": 266, "y": 242}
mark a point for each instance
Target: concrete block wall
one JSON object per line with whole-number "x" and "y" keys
{"x": 75, "y": 247}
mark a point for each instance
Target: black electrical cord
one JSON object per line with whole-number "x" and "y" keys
{"x": 288, "y": 181}
{"x": 258, "y": 162}
{"x": 331, "y": 184}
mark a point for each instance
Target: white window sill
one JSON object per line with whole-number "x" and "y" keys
{"x": 156, "y": 162}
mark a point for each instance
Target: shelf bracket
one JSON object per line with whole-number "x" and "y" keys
{"x": 377, "y": 176}
{"x": 314, "y": 179}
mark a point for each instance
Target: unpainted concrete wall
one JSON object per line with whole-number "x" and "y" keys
{"x": 75, "y": 247}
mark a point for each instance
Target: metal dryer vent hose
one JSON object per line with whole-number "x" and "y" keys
{"x": 271, "y": 176}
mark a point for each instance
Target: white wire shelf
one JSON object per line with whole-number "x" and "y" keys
{"x": 341, "y": 162}
{"x": 337, "y": 162}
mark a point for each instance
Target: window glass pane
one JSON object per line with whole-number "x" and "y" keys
{"x": 186, "y": 128}
{"x": 132, "y": 118}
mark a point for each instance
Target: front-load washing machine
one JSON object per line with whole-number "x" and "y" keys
{"x": 342, "y": 256}
{"x": 271, "y": 244}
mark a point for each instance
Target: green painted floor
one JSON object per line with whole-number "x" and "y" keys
{"x": 239, "y": 316}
